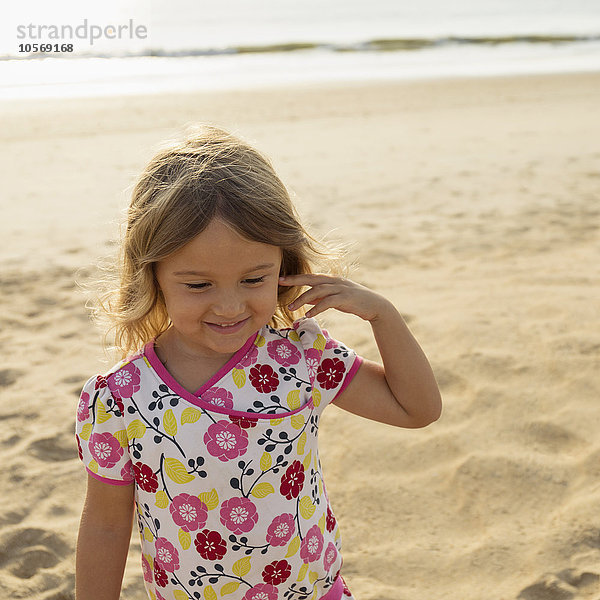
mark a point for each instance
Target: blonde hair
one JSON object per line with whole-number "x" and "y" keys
{"x": 207, "y": 174}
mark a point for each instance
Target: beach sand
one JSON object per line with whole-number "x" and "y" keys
{"x": 473, "y": 204}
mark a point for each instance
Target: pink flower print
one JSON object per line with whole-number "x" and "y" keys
{"x": 160, "y": 576}
{"x": 281, "y": 530}
{"x": 243, "y": 422}
{"x": 146, "y": 569}
{"x": 292, "y": 480}
{"x": 226, "y": 440}
{"x": 284, "y": 352}
{"x": 159, "y": 596}
{"x": 219, "y": 397}
{"x": 312, "y": 545}
{"x": 83, "y": 408}
{"x": 262, "y": 591}
{"x": 329, "y": 556}
{"x": 249, "y": 359}
{"x": 167, "y": 557}
{"x": 277, "y": 572}
{"x": 313, "y": 359}
{"x": 330, "y": 373}
{"x": 127, "y": 472}
{"x": 264, "y": 379}
{"x": 105, "y": 448}
{"x": 189, "y": 512}
{"x": 125, "y": 381}
{"x": 239, "y": 515}
{"x": 145, "y": 477}
{"x": 329, "y": 342}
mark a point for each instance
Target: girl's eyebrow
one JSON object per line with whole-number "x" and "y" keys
{"x": 202, "y": 274}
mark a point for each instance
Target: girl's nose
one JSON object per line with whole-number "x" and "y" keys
{"x": 229, "y": 304}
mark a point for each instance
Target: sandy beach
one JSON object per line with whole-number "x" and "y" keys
{"x": 474, "y": 204}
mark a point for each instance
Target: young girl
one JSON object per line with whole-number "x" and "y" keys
{"x": 209, "y": 429}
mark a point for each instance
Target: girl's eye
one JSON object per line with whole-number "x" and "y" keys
{"x": 254, "y": 280}
{"x": 196, "y": 286}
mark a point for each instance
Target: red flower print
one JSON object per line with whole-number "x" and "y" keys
{"x": 264, "y": 379}
{"x": 120, "y": 406}
{"x": 167, "y": 556}
{"x": 239, "y": 515}
{"x": 226, "y": 440}
{"x": 189, "y": 512}
{"x": 79, "y": 450}
{"x": 100, "y": 382}
{"x": 262, "y": 591}
{"x": 105, "y": 449}
{"x": 83, "y": 408}
{"x": 312, "y": 545}
{"x": 330, "y": 522}
{"x": 243, "y": 422}
{"x": 283, "y": 352}
{"x": 124, "y": 382}
{"x": 346, "y": 590}
{"x": 145, "y": 477}
{"x": 292, "y": 480}
{"x": 146, "y": 570}
{"x": 329, "y": 556}
{"x": 127, "y": 472}
{"x": 219, "y": 397}
{"x": 281, "y": 530}
{"x": 330, "y": 373}
{"x": 160, "y": 576}
{"x": 210, "y": 545}
{"x": 277, "y": 572}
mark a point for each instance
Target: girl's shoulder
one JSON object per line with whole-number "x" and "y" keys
{"x": 306, "y": 333}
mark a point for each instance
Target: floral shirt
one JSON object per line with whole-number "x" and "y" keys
{"x": 230, "y": 497}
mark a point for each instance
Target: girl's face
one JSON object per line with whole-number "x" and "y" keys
{"x": 219, "y": 289}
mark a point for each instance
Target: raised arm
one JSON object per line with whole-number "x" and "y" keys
{"x": 403, "y": 392}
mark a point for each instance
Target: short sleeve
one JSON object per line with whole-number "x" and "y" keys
{"x": 331, "y": 365}
{"x": 101, "y": 434}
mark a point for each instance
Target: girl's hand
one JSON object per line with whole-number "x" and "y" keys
{"x": 335, "y": 292}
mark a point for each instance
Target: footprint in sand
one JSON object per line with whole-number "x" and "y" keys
{"x": 9, "y": 376}
{"x": 24, "y": 551}
{"x": 569, "y": 583}
{"x": 58, "y": 448}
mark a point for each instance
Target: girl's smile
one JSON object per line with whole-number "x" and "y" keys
{"x": 219, "y": 289}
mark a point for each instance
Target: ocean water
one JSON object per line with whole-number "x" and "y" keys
{"x": 145, "y": 46}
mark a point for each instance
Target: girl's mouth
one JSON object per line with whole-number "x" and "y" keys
{"x": 227, "y": 328}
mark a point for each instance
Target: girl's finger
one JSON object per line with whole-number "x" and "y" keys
{"x": 313, "y": 295}
{"x": 307, "y": 279}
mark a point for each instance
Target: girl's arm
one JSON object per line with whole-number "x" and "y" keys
{"x": 403, "y": 392}
{"x": 103, "y": 541}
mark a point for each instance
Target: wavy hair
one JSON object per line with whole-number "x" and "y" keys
{"x": 207, "y": 174}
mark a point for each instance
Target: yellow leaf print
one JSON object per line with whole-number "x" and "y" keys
{"x": 262, "y": 490}
{"x": 313, "y": 576}
{"x": 293, "y": 399}
{"x": 190, "y": 415}
{"x": 209, "y": 593}
{"x": 152, "y": 595}
{"x": 231, "y": 587}
{"x": 302, "y": 443}
{"x": 242, "y": 566}
{"x": 320, "y": 488}
{"x": 293, "y": 547}
{"x": 170, "y": 423}
{"x": 176, "y": 471}
{"x": 136, "y": 429}
{"x": 266, "y": 461}
{"x": 316, "y": 396}
{"x": 162, "y": 500}
{"x": 319, "y": 343}
{"x": 150, "y": 561}
{"x": 93, "y": 466}
{"x": 185, "y": 539}
{"x": 101, "y": 414}
{"x": 306, "y": 461}
{"x": 259, "y": 341}
{"x": 86, "y": 431}
{"x": 307, "y": 508}
{"x": 180, "y": 595}
{"x": 293, "y": 336}
{"x": 276, "y": 421}
{"x": 298, "y": 421}
{"x": 121, "y": 435}
{"x": 303, "y": 572}
{"x": 323, "y": 522}
{"x": 148, "y": 535}
{"x": 239, "y": 377}
{"x": 211, "y": 499}
{"x": 337, "y": 534}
